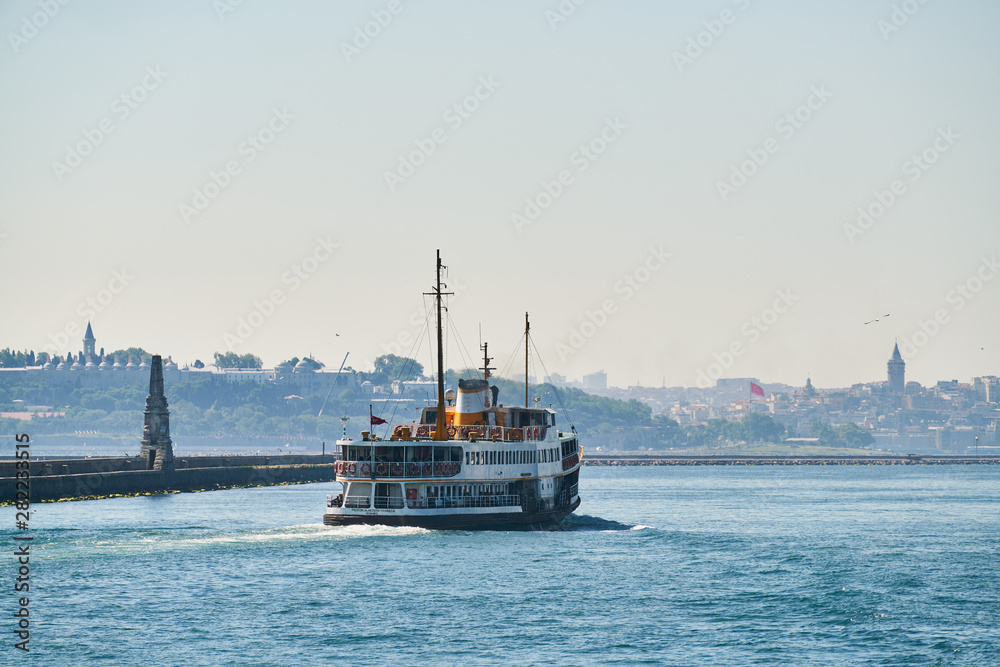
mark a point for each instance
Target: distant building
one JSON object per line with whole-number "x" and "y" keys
{"x": 556, "y": 379}
{"x": 88, "y": 343}
{"x": 92, "y": 369}
{"x": 897, "y": 372}
{"x": 598, "y": 380}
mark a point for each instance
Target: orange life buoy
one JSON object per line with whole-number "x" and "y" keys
{"x": 397, "y": 469}
{"x": 413, "y": 469}
{"x": 353, "y": 467}
{"x": 423, "y": 430}
{"x": 451, "y": 431}
{"x": 380, "y": 469}
{"x": 366, "y": 468}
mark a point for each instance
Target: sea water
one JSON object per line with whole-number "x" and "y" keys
{"x": 845, "y": 565}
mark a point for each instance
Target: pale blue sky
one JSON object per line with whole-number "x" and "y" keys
{"x": 655, "y": 186}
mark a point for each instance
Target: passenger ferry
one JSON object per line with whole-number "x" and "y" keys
{"x": 470, "y": 464}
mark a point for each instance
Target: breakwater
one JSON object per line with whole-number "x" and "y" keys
{"x": 750, "y": 460}
{"x": 80, "y": 479}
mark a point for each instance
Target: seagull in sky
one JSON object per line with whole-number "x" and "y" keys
{"x": 877, "y": 319}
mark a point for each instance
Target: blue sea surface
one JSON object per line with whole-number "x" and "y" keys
{"x": 845, "y": 565}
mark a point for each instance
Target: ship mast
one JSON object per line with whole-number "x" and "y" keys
{"x": 527, "y": 328}
{"x": 437, "y": 293}
{"x": 486, "y": 361}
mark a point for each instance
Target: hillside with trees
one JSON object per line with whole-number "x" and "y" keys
{"x": 211, "y": 404}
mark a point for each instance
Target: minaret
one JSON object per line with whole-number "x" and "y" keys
{"x": 157, "y": 452}
{"x": 88, "y": 343}
{"x": 897, "y": 371}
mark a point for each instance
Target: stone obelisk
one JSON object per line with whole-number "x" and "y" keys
{"x": 157, "y": 452}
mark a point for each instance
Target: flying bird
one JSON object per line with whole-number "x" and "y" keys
{"x": 877, "y": 319}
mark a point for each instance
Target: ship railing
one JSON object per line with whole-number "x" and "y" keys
{"x": 464, "y": 501}
{"x": 357, "y": 502}
{"x": 388, "y": 502}
{"x": 409, "y": 469}
{"x": 470, "y": 432}
{"x": 335, "y": 501}
{"x": 571, "y": 460}
{"x": 574, "y": 490}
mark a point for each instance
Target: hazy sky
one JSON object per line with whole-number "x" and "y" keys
{"x": 614, "y": 122}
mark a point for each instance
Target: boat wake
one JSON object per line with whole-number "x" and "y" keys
{"x": 144, "y": 542}
{"x": 585, "y": 522}
{"x": 360, "y": 530}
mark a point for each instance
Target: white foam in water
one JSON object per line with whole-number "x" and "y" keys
{"x": 374, "y": 531}
{"x": 642, "y": 527}
{"x": 131, "y": 544}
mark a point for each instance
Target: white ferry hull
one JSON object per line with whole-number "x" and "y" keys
{"x": 460, "y": 519}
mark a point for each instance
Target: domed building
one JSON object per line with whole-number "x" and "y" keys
{"x": 303, "y": 367}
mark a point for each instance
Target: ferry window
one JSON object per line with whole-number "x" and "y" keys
{"x": 467, "y": 458}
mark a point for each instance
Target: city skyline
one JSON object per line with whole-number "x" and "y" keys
{"x": 663, "y": 188}
{"x": 89, "y": 355}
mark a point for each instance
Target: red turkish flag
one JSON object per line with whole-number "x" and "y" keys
{"x": 756, "y": 389}
{"x": 378, "y": 420}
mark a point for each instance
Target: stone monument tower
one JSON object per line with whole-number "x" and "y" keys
{"x": 897, "y": 372}
{"x": 88, "y": 343}
{"x": 157, "y": 452}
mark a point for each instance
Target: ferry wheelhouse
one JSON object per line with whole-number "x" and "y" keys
{"x": 472, "y": 464}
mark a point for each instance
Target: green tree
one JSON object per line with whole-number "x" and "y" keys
{"x": 853, "y": 435}
{"x": 822, "y": 430}
{"x": 127, "y": 353}
{"x": 761, "y": 428}
{"x": 11, "y": 359}
{"x": 390, "y": 367}
{"x": 233, "y": 360}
